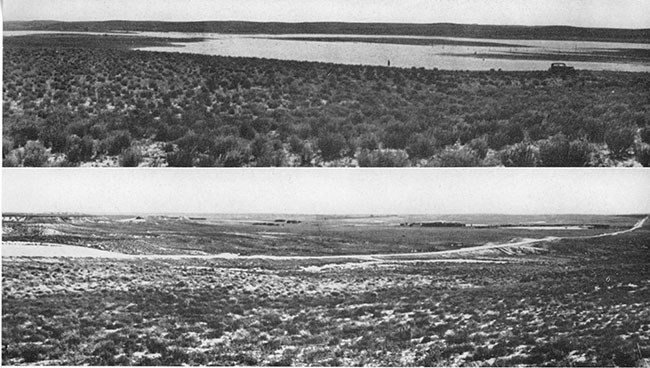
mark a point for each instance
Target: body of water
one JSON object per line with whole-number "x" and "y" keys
{"x": 450, "y": 57}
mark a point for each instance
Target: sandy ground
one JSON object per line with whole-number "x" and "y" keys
{"x": 31, "y": 249}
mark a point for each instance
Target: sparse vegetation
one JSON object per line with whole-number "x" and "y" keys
{"x": 585, "y": 302}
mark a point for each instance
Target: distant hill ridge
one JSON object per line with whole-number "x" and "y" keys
{"x": 435, "y": 29}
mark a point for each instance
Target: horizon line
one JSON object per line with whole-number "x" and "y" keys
{"x": 322, "y": 22}
{"x": 12, "y": 213}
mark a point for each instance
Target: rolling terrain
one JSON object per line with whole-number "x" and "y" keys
{"x": 577, "y": 300}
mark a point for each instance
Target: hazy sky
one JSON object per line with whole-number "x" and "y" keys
{"x": 327, "y": 191}
{"x": 590, "y": 13}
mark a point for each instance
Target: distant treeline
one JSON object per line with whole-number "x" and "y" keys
{"x": 435, "y": 29}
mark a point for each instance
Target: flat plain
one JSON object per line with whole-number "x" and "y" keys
{"x": 326, "y": 290}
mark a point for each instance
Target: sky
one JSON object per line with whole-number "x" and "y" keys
{"x": 584, "y": 13}
{"x": 327, "y": 191}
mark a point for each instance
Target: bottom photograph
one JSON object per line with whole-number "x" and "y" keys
{"x": 274, "y": 267}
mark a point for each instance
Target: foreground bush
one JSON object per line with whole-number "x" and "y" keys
{"x": 557, "y": 151}
{"x": 383, "y": 158}
{"x": 643, "y": 154}
{"x": 619, "y": 139}
{"x": 421, "y": 146}
{"x": 267, "y": 151}
{"x": 331, "y": 145}
{"x": 456, "y": 156}
{"x": 35, "y": 154}
{"x": 180, "y": 158}
{"x": 645, "y": 134}
{"x": 79, "y": 149}
{"x": 116, "y": 142}
{"x": 130, "y": 157}
{"x": 522, "y": 154}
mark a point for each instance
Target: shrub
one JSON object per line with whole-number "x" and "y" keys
{"x": 53, "y": 137}
{"x": 645, "y": 134}
{"x": 260, "y": 147}
{"x": 117, "y": 141}
{"x": 223, "y": 145}
{"x": 130, "y": 157}
{"x": 104, "y": 353}
{"x": 557, "y": 349}
{"x": 247, "y": 131}
{"x": 331, "y": 145}
{"x": 368, "y": 141}
{"x": 98, "y": 131}
{"x": 14, "y": 158}
{"x": 234, "y": 158}
{"x": 514, "y": 134}
{"x": 7, "y": 146}
{"x": 79, "y": 128}
{"x": 497, "y": 140}
{"x": 33, "y": 352}
{"x": 383, "y": 158}
{"x": 520, "y": 155}
{"x": 444, "y": 137}
{"x": 307, "y": 154}
{"x": 203, "y": 160}
{"x": 620, "y": 139}
{"x": 456, "y": 156}
{"x": 421, "y": 146}
{"x": 580, "y": 153}
{"x": 457, "y": 337}
{"x": 480, "y": 145}
{"x": 617, "y": 352}
{"x": 165, "y": 132}
{"x": 181, "y": 158}
{"x": 594, "y": 129}
{"x": 79, "y": 149}
{"x": 643, "y": 154}
{"x": 195, "y": 142}
{"x": 296, "y": 144}
{"x": 557, "y": 151}
{"x": 397, "y": 135}
{"x": 267, "y": 151}
{"x": 22, "y": 130}
{"x": 35, "y": 154}
{"x": 432, "y": 357}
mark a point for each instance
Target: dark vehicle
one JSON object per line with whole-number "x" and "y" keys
{"x": 561, "y": 68}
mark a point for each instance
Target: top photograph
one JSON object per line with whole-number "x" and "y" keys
{"x": 327, "y": 83}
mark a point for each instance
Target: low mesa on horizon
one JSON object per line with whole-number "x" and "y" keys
{"x": 595, "y": 13}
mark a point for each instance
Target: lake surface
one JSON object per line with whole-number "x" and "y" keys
{"x": 450, "y": 57}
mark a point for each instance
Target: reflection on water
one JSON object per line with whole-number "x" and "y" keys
{"x": 427, "y": 56}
